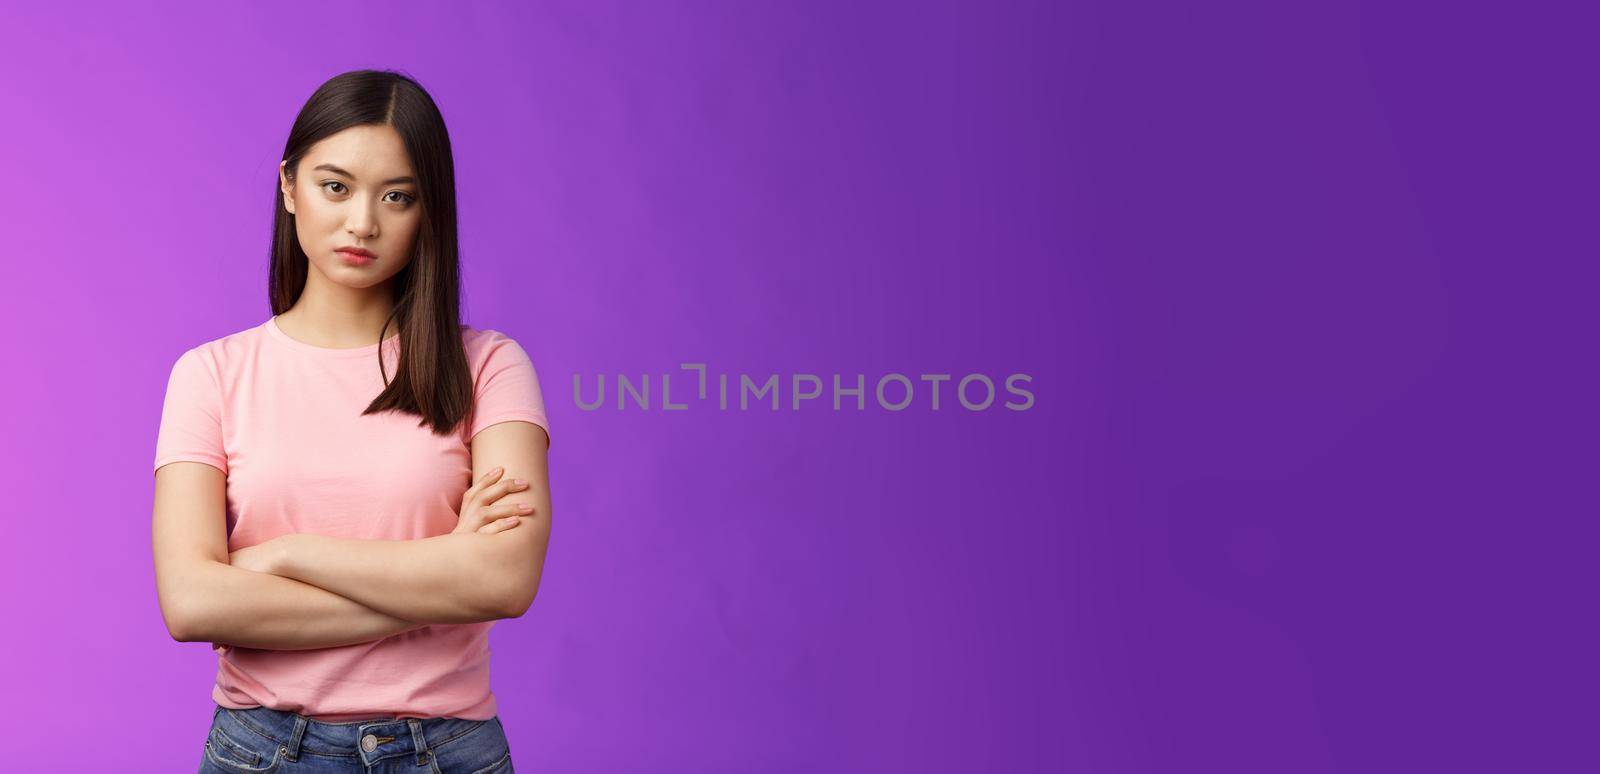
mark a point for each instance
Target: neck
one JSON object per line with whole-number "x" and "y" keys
{"x": 337, "y": 316}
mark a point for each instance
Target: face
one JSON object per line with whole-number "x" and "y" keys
{"x": 354, "y": 189}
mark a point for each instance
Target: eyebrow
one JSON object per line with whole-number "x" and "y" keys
{"x": 338, "y": 171}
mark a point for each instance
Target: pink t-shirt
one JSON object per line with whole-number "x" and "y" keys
{"x": 282, "y": 419}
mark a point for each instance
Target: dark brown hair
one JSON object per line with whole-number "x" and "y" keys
{"x": 432, "y": 379}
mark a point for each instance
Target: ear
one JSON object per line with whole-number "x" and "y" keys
{"x": 286, "y": 186}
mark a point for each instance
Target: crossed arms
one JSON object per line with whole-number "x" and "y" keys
{"x": 313, "y": 591}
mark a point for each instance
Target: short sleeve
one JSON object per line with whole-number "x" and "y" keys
{"x": 191, "y": 415}
{"x": 506, "y": 388}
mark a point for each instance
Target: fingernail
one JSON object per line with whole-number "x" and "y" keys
{"x": 492, "y": 472}
{"x": 524, "y": 507}
{"x": 518, "y": 481}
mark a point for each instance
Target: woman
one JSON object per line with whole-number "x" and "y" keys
{"x": 313, "y": 516}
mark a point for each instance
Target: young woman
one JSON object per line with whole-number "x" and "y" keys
{"x": 344, "y": 513}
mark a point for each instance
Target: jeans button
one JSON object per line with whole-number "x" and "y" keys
{"x": 369, "y": 743}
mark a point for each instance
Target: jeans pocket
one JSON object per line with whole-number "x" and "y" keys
{"x": 483, "y": 750}
{"x": 233, "y": 749}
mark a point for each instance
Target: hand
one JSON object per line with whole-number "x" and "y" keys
{"x": 477, "y": 512}
{"x": 261, "y": 557}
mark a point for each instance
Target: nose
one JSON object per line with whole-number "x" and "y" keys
{"x": 362, "y": 222}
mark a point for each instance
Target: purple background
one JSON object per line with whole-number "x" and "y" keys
{"x": 1298, "y": 288}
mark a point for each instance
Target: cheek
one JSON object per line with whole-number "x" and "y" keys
{"x": 400, "y": 232}
{"x": 406, "y": 223}
{"x": 313, "y": 219}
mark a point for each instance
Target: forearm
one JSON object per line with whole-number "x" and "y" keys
{"x": 444, "y": 579}
{"x": 252, "y": 609}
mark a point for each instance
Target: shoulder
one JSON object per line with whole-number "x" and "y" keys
{"x": 219, "y": 354}
{"x": 487, "y": 345}
{"x": 478, "y": 338}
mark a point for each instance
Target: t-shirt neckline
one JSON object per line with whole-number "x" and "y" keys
{"x": 370, "y": 350}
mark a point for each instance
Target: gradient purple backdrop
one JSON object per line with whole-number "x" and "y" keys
{"x": 1294, "y": 286}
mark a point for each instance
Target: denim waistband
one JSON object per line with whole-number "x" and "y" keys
{"x": 387, "y": 738}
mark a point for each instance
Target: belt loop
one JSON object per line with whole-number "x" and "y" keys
{"x": 422, "y": 743}
{"x": 291, "y": 749}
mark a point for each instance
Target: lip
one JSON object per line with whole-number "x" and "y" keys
{"x": 356, "y": 256}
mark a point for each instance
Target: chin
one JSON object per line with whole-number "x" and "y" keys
{"x": 362, "y": 282}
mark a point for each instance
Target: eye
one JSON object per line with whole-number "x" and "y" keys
{"x": 406, "y": 198}
{"x": 333, "y": 182}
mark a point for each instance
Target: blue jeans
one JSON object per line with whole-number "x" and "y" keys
{"x": 259, "y": 739}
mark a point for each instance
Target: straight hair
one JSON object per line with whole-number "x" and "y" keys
{"x": 431, "y": 379}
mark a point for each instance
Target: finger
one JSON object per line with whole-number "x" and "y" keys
{"x": 488, "y": 515}
{"x": 487, "y": 479}
{"x": 499, "y": 489}
{"x": 505, "y": 510}
{"x": 499, "y": 525}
